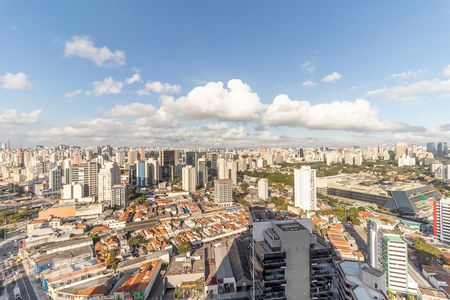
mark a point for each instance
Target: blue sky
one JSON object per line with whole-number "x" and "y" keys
{"x": 221, "y": 73}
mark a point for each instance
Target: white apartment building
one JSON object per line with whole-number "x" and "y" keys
{"x": 263, "y": 188}
{"x": 189, "y": 178}
{"x": 305, "y": 196}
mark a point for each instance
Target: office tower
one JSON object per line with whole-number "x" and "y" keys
{"x": 108, "y": 176}
{"x": 441, "y": 219}
{"x": 203, "y": 172}
{"x": 142, "y": 173}
{"x": 132, "y": 180}
{"x": 153, "y": 171}
{"x": 212, "y": 157}
{"x": 439, "y": 149}
{"x": 66, "y": 171}
{"x": 431, "y": 147}
{"x": 444, "y": 149}
{"x": 289, "y": 261}
{"x": 87, "y": 175}
{"x": 55, "y": 178}
{"x": 118, "y": 195}
{"x": 305, "y": 188}
{"x": 191, "y": 159}
{"x": 167, "y": 161}
{"x": 223, "y": 192}
{"x": 400, "y": 150}
{"x": 189, "y": 178}
{"x": 132, "y": 156}
{"x": 263, "y": 188}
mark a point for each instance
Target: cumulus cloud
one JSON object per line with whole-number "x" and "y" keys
{"x": 359, "y": 115}
{"x": 158, "y": 87}
{"x": 105, "y": 86}
{"x": 133, "y": 79}
{"x": 131, "y": 110}
{"x": 238, "y": 133}
{"x": 17, "y": 81}
{"x": 83, "y": 46}
{"x": 309, "y": 83}
{"x": 235, "y": 102}
{"x": 332, "y": 77}
{"x": 73, "y": 94}
{"x": 13, "y": 117}
{"x": 446, "y": 71}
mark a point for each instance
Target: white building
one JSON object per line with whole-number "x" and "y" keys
{"x": 118, "y": 195}
{"x": 305, "y": 188}
{"x": 263, "y": 188}
{"x": 108, "y": 176}
{"x": 405, "y": 160}
{"x": 55, "y": 179}
{"x": 441, "y": 218}
{"x": 223, "y": 192}
{"x": 394, "y": 262}
{"x": 189, "y": 178}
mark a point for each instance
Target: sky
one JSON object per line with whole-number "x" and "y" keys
{"x": 224, "y": 73}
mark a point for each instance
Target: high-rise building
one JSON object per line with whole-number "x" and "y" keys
{"x": 132, "y": 156}
{"x": 189, "y": 178}
{"x": 55, "y": 178}
{"x": 154, "y": 171}
{"x": 142, "y": 173}
{"x": 289, "y": 261}
{"x": 305, "y": 188}
{"x": 389, "y": 253}
{"x": 203, "y": 172}
{"x": 191, "y": 158}
{"x": 232, "y": 171}
{"x": 431, "y": 147}
{"x": 441, "y": 219}
{"x": 118, "y": 195}
{"x": 400, "y": 150}
{"x": 223, "y": 192}
{"x": 108, "y": 176}
{"x": 167, "y": 162}
{"x": 87, "y": 175}
{"x": 212, "y": 157}
{"x": 222, "y": 171}
{"x": 263, "y": 188}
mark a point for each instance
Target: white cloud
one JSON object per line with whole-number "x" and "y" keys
{"x": 133, "y": 79}
{"x": 415, "y": 89}
{"x": 159, "y": 88}
{"x": 238, "y": 133}
{"x": 359, "y": 115}
{"x": 446, "y": 71}
{"x": 408, "y": 74}
{"x": 73, "y": 94}
{"x": 131, "y": 110}
{"x": 14, "y": 117}
{"x": 18, "y": 81}
{"x": 235, "y": 102}
{"x": 82, "y": 46}
{"x": 214, "y": 126}
{"x": 105, "y": 86}
{"x": 309, "y": 83}
{"x": 332, "y": 77}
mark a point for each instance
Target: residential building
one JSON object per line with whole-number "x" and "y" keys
{"x": 441, "y": 219}
{"x": 189, "y": 178}
{"x": 223, "y": 192}
{"x": 305, "y": 188}
{"x": 118, "y": 195}
{"x": 55, "y": 179}
{"x": 263, "y": 188}
{"x": 108, "y": 176}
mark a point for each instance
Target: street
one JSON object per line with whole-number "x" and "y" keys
{"x": 360, "y": 239}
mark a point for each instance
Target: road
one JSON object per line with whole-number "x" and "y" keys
{"x": 15, "y": 273}
{"x": 360, "y": 239}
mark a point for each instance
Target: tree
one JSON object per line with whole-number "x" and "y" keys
{"x": 184, "y": 247}
{"x": 244, "y": 186}
{"x": 136, "y": 241}
{"x": 95, "y": 238}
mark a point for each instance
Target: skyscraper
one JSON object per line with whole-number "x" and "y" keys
{"x": 400, "y": 150}
{"x": 305, "y": 188}
{"x": 118, "y": 195}
{"x": 203, "y": 172}
{"x": 87, "y": 175}
{"x": 55, "y": 178}
{"x": 223, "y": 192}
{"x": 431, "y": 147}
{"x": 441, "y": 219}
{"x": 189, "y": 178}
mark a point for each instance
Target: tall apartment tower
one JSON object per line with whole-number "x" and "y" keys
{"x": 108, "y": 176}
{"x": 263, "y": 188}
{"x": 441, "y": 219}
{"x": 289, "y": 261}
{"x": 87, "y": 175}
{"x": 389, "y": 253}
{"x": 55, "y": 178}
{"x": 223, "y": 192}
{"x": 118, "y": 195}
{"x": 203, "y": 172}
{"x": 189, "y": 178}
{"x": 305, "y": 196}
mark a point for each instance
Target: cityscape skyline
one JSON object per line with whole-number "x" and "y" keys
{"x": 155, "y": 76}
